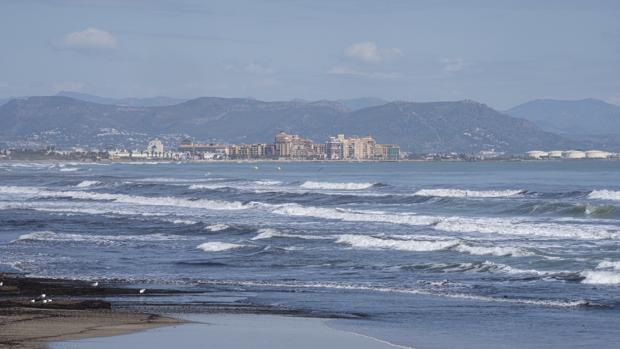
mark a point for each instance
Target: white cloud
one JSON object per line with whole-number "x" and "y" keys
{"x": 368, "y": 51}
{"x": 364, "y": 74}
{"x": 454, "y": 65}
{"x": 89, "y": 39}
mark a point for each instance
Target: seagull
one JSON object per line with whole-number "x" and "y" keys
{"x": 95, "y": 284}
{"x": 42, "y": 296}
{"x": 142, "y": 290}
{"x": 1, "y": 283}
{"x": 45, "y": 301}
{"x": 32, "y": 301}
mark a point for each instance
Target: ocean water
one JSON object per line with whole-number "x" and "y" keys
{"x": 431, "y": 255}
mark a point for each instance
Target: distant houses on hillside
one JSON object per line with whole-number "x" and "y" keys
{"x": 285, "y": 147}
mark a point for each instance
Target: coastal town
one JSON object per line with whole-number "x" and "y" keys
{"x": 286, "y": 147}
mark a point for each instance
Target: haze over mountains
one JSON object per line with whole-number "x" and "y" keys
{"x": 68, "y": 119}
{"x": 580, "y": 117}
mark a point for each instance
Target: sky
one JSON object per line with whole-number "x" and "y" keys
{"x": 501, "y": 53}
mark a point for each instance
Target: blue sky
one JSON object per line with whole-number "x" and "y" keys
{"x": 498, "y": 52}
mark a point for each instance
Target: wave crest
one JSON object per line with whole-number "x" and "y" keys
{"x": 605, "y": 195}
{"x": 464, "y": 193}
{"x": 336, "y": 186}
{"x": 217, "y": 246}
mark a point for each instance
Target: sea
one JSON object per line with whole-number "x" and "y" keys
{"x": 522, "y": 254}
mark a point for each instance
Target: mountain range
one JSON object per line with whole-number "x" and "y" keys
{"x": 462, "y": 126}
{"x": 579, "y": 117}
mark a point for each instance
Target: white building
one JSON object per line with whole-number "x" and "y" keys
{"x": 537, "y": 154}
{"x": 597, "y": 154}
{"x": 574, "y": 154}
{"x": 155, "y": 149}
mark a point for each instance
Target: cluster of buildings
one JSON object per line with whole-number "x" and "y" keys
{"x": 570, "y": 154}
{"x": 285, "y": 147}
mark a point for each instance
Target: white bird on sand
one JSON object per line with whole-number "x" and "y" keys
{"x": 32, "y": 301}
{"x": 42, "y": 296}
{"x": 1, "y": 283}
{"x": 142, "y": 290}
{"x": 45, "y": 301}
{"x": 95, "y": 284}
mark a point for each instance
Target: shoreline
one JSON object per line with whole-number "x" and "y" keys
{"x": 78, "y": 311}
{"x": 72, "y": 310}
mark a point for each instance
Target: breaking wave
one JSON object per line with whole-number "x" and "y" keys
{"x": 503, "y": 226}
{"x": 217, "y": 246}
{"x": 337, "y": 186}
{"x": 86, "y": 184}
{"x": 123, "y": 198}
{"x": 374, "y": 288}
{"x": 463, "y": 193}
{"x": 601, "y": 277}
{"x": 419, "y": 245}
{"x": 605, "y": 195}
{"x": 98, "y": 239}
{"x": 217, "y": 227}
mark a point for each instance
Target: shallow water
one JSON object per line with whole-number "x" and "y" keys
{"x": 474, "y": 255}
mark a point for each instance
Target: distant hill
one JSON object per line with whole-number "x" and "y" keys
{"x": 361, "y": 103}
{"x": 580, "y": 117}
{"x": 463, "y": 126}
{"x": 133, "y": 102}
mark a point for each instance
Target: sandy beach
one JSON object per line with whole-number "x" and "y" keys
{"x": 236, "y": 331}
{"x": 71, "y": 311}
{"x": 74, "y": 314}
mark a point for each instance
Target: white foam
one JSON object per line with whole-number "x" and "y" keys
{"x": 607, "y": 264}
{"x": 502, "y": 226}
{"x": 492, "y": 250}
{"x": 336, "y": 186}
{"x": 374, "y": 288}
{"x": 605, "y": 195}
{"x": 100, "y": 239}
{"x": 404, "y": 243}
{"x": 267, "y": 233}
{"x": 217, "y": 246}
{"x": 601, "y": 277}
{"x": 370, "y": 242}
{"x": 69, "y": 169}
{"x": 350, "y": 215}
{"x": 267, "y": 182}
{"x": 183, "y": 221}
{"x": 464, "y": 193}
{"x": 217, "y": 227}
{"x": 86, "y": 184}
{"x": 130, "y": 199}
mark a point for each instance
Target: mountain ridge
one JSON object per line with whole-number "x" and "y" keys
{"x": 458, "y": 126}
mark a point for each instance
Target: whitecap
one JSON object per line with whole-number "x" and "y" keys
{"x": 336, "y": 186}
{"x": 217, "y": 227}
{"x": 607, "y": 264}
{"x": 99, "y": 239}
{"x": 464, "y": 193}
{"x": 605, "y": 195}
{"x": 601, "y": 277}
{"x": 217, "y": 246}
{"x": 85, "y": 184}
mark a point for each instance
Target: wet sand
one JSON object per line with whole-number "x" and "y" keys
{"x": 74, "y": 310}
{"x": 28, "y": 320}
{"x": 237, "y": 331}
